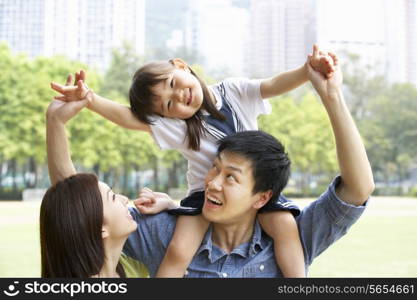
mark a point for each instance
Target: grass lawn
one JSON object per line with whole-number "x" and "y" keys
{"x": 383, "y": 243}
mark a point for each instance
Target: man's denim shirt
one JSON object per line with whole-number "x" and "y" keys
{"x": 320, "y": 224}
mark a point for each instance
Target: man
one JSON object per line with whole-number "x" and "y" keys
{"x": 234, "y": 245}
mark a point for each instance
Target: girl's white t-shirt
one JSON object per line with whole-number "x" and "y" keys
{"x": 244, "y": 96}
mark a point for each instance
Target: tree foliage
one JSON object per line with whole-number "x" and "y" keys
{"x": 386, "y": 115}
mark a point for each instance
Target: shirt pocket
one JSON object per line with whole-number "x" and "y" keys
{"x": 261, "y": 270}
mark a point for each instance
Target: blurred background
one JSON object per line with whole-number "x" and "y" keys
{"x": 45, "y": 40}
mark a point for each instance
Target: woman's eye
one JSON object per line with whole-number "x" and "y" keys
{"x": 169, "y": 104}
{"x": 172, "y": 83}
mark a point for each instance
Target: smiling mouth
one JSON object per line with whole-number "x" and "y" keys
{"x": 214, "y": 201}
{"x": 189, "y": 98}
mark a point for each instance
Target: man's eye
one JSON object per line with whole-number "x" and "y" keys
{"x": 172, "y": 83}
{"x": 114, "y": 197}
{"x": 169, "y": 104}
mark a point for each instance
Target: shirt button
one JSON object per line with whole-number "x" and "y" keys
{"x": 261, "y": 267}
{"x": 224, "y": 275}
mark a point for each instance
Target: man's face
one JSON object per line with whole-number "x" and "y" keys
{"x": 229, "y": 184}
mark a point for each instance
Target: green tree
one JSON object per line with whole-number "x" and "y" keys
{"x": 362, "y": 84}
{"x": 391, "y": 131}
{"x": 305, "y": 131}
{"x": 124, "y": 63}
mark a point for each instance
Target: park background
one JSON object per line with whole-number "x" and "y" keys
{"x": 384, "y": 241}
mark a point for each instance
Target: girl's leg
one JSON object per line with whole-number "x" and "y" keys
{"x": 281, "y": 226}
{"x": 187, "y": 238}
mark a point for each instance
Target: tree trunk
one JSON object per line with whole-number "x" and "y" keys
{"x": 155, "y": 174}
{"x": 173, "y": 177}
{"x": 400, "y": 179}
{"x": 106, "y": 177}
{"x": 96, "y": 169}
{"x": 137, "y": 179}
{"x": 1, "y": 174}
{"x": 125, "y": 180}
{"x": 31, "y": 182}
{"x": 13, "y": 168}
{"x": 26, "y": 174}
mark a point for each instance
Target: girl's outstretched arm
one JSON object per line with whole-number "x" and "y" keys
{"x": 283, "y": 82}
{"x": 117, "y": 113}
{"x": 110, "y": 110}
{"x": 289, "y": 80}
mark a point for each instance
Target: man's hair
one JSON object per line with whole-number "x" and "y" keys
{"x": 270, "y": 164}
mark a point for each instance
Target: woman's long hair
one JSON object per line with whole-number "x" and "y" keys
{"x": 71, "y": 220}
{"x": 142, "y": 97}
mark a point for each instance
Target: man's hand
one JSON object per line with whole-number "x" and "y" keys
{"x": 325, "y": 86}
{"x": 150, "y": 202}
{"x": 322, "y": 62}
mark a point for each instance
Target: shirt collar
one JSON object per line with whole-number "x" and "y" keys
{"x": 257, "y": 243}
{"x": 214, "y": 253}
{"x": 206, "y": 244}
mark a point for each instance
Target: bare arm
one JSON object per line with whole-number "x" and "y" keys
{"x": 110, "y": 110}
{"x": 60, "y": 165}
{"x": 117, "y": 113}
{"x": 287, "y": 81}
{"x": 357, "y": 179}
{"x": 283, "y": 82}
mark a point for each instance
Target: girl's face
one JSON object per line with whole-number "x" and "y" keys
{"x": 117, "y": 221}
{"x": 180, "y": 95}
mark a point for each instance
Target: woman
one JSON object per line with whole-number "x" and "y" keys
{"x": 83, "y": 223}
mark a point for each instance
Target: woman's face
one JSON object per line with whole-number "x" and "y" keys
{"x": 178, "y": 96}
{"x": 117, "y": 221}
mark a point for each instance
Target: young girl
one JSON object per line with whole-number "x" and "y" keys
{"x": 169, "y": 101}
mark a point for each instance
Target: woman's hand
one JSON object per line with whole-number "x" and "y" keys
{"x": 326, "y": 87}
{"x": 63, "y": 111}
{"x": 150, "y": 202}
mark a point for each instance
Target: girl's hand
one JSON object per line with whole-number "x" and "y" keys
{"x": 325, "y": 86}
{"x": 62, "y": 111}
{"x": 150, "y": 202}
{"x": 322, "y": 62}
{"x": 76, "y": 92}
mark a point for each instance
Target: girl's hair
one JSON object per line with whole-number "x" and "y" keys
{"x": 142, "y": 97}
{"x": 71, "y": 220}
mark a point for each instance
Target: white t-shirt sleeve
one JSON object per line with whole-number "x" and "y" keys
{"x": 169, "y": 133}
{"x": 248, "y": 93}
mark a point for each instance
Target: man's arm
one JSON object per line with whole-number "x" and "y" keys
{"x": 357, "y": 182}
{"x": 325, "y": 220}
